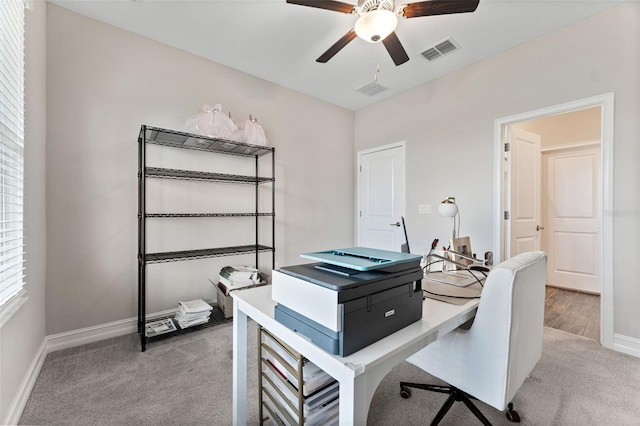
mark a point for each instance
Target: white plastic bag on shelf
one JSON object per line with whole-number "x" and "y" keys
{"x": 199, "y": 123}
{"x": 254, "y": 133}
{"x": 211, "y": 121}
{"x": 238, "y": 134}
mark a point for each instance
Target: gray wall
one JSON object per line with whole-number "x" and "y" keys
{"x": 103, "y": 83}
{"x": 448, "y": 126}
{"x": 22, "y": 337}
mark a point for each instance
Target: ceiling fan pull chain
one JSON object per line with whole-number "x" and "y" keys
{"x": 375, "y": 58}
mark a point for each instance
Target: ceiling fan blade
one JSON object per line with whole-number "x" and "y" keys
{"x": 438, "y": 7}
{"x": 395, "y": 49}
{"x": 336, "y": 6}
{"x": 338, "y": 45}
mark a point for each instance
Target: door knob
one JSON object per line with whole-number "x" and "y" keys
{"x": 395, "y": 224}
{"x": 538, "y": 228}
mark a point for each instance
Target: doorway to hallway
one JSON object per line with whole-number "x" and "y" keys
{"x": 603, "y": 242}
{"x": 553, "y": 198}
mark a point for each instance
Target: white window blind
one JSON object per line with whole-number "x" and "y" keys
{"x": 11, "y": 148}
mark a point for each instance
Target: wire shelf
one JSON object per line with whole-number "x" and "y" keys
{"x": 172, "y": 256}
{"x": 158, "y": 172}
{"x": 217, "y": 317}
{"x": 148, "y": 215}
{"x": 178, "y": 139}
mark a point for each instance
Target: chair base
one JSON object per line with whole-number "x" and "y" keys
{"x": 455, "y": 394}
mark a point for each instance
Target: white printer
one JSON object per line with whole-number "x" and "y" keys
{"x": 350, "y": 297}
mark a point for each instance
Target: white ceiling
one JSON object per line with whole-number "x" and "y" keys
{"x": 279, "y": 42}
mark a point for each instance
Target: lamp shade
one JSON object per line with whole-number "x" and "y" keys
{"x": 376, "y": 25}
{"x": 448, "y": 207}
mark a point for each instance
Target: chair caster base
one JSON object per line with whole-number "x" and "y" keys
{"x": 511, "y": 414}
{"x": 405, "y": 392}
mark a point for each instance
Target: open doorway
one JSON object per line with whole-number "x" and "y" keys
{"x": 565, "y": 150}
{"x": 579, "y": 153}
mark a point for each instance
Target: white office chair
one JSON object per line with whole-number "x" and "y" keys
{"x": 490, "y": 360}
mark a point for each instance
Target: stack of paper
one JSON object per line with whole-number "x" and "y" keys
{"x": 235, "y": 277}
{"x": 161, "y": 326}
{"x": 192, "y": 313}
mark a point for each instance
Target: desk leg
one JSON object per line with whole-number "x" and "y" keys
{"x": 356, "y": 395}
{"x": 239, "y": 366}
{"x": 354, "y": 401}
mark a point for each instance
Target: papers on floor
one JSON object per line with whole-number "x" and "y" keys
{"x": 238, "y": 276}
{"x": 161, "y": 326}
{"x": 193, "y": 312}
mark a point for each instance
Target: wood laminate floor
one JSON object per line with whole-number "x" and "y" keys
{"x": 573, "y": 312}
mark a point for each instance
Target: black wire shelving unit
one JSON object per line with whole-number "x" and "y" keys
{"x": 182, "y": 140}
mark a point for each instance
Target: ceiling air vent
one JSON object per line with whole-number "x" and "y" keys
{"x": 438, "y": 50}
{"x": 372, "y": 89}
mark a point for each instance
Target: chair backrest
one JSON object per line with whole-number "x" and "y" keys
{"x": 492, "y": 359}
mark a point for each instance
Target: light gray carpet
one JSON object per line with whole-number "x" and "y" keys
{"x": 187, "y": 380}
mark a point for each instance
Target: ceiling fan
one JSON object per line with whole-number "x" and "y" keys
{"x": 377, "y": 21}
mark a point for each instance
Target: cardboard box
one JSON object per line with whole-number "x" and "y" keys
{"x": 225, "y": 303}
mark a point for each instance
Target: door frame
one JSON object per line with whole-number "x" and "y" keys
{"x": 606, "y": 104}
{"x": 399, "y": 144}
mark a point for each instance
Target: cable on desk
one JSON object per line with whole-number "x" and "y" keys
{"x": 458, "y": 297}
{"x": 455, "y": 297}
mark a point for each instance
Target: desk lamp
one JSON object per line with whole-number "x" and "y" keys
{"x": 449, "y": 208}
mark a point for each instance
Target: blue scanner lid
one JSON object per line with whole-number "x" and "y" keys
{"x": 361, "y": 258}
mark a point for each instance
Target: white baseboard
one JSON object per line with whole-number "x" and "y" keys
{"x": 22, "y": 396}
{"x": 627, "y": 345}
{"x": 92, "y": 334}
{"x": 96, "y": 333}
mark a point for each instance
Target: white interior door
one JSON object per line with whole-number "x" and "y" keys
{"x": 524, "y": 193}
{"x": 572, "y": 234}
{"x": 381, "y": 197}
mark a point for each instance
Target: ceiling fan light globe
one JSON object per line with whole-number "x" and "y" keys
{"x": 376, "y": 25}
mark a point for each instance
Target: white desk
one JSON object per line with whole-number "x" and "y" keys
{"x": 360, "y": 373}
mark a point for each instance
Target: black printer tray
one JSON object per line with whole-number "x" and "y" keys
{"x": 364, "y": 320}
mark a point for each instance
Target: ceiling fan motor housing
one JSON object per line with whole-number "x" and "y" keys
{"x": 365, "y": 6}
{"x": 376, "y": 20}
